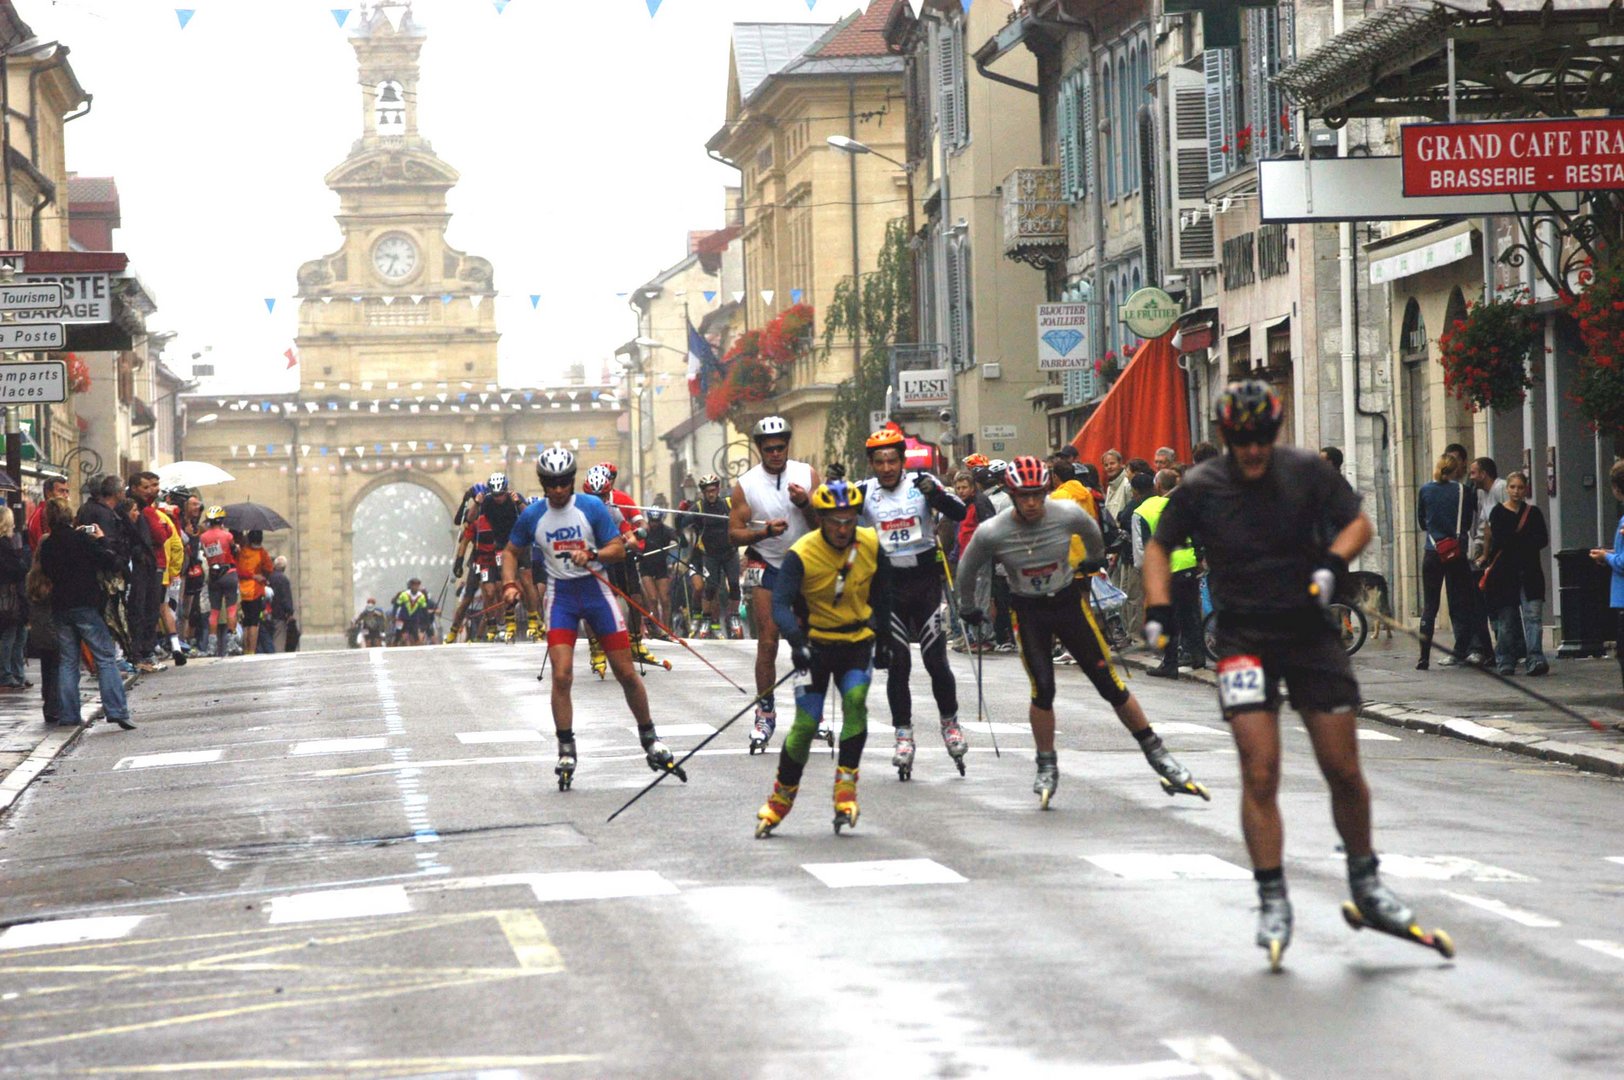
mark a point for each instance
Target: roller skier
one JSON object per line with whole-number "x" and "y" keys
{"x": 576, "y": 536}
{"x": 1259, "y": 512}
{"x": 898, "y": 506}
{"x": 1032, "y": 541}
{"x": 831, "y": 591}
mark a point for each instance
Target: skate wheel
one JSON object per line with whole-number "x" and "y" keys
{"x": 960, "y": 763}
{"x": 1277, "y": 951}
{"x": 764, "y": 829}
{"x": 1168, "y": 788}
{"x": 1201, "y": 790}
{"x": 1043, "y": 800}
{"x": 903, "y": 772}
{"x": 1444, "y": 944}
{"x": 1350, "y": 915}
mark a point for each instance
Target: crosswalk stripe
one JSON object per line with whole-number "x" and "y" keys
{"x": 364, "y": 902}
{"x": 1500, "y": 907}
{"x": 339, "y": 746}
{"x": 1615, "y": 949}
{"x": 183, "y": 757}
{"x": 1157, "y": 866}
{"x": 883, "y": 873}
{"x": 515, "y": 735}
{"x": 1219, "y": 1059}
{"x": 1445, "y": 868}
{"x": 68, "y": 931}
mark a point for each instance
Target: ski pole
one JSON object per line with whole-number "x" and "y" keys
{"x": 689, "y": 513}
{"x": 667, "y": 630}
{"x": 1495, "y": 675}
{"x": 953, "y": 609}
{"x": 705, "y": 742}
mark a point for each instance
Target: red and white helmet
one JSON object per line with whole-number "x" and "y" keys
{"x": 600, "y": 479}
{"x": 614, "y": 471}
{"x": 1026, "y": 474}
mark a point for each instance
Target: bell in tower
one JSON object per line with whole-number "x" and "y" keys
{"x": 390, "y": 108}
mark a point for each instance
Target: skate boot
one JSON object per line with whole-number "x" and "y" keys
{"x": 659, "y": 758}
{"x": 600, "y": 662}
{"x": 845, "y": 798}
{"x": 510, "y": 630}
{"x": 1273, "y": 923}
{"x": 1048, "y": 778}
{"x": 1176, "y": 779}
{"x": 902, "y": 760}
{"x": 641, "y": 654}
{"x": 953, "y": 739}
{"x": 533, "y": 629}
{"x": 490, "y": 633}
{"x": 762, "y": 730}
{"x": 1375, "y": 907}
{"x": 775, "y": 809}
{"x": 566, "y": 761}
{"x": 451, "y": 638}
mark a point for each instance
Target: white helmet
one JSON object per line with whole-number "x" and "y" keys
{"x": 555, "y": 464}
{"x": 599, "y": 479}
{"x": 769, "y": 425}
{"x": 497, "y": 483}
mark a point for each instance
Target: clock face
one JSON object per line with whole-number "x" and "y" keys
{"x": 395, "y": 257}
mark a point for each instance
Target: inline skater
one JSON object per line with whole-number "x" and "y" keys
{"x": 470, "y": 588}
{"x": 655, "y": 567}
{"x": 218, "y": 549}
{"x": 625, "y": 576}
{"x": 500, "y": 510}
{"x": 777, "y": 494}
{"x": 481, "y": 535}
{"x": 720, "y": 558}
{"x": 1032, "y": 540}
{"x": 1258, "y": 512}
{"x": 829, "y": 593}
{"x": 411, "y": 613}
{"x": 898, "y": 506}
{"x": 578, "y": 537}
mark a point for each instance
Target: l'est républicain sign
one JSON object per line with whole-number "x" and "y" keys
{"x": 1510, "y": 157}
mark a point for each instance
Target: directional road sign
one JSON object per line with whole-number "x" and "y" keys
{"x": 30, "y": 296}
{"x": 33, "y": 383}
{"x": 21, "y": 337}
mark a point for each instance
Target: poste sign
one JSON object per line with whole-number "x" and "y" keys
{"x": 1150, "y": 312}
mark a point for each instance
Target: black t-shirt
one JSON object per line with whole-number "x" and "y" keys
{"x": 501, "y": 514}
{"x": 1262, "y": 540}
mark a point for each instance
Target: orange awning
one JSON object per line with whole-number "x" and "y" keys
{"x": 1145, "y": 410}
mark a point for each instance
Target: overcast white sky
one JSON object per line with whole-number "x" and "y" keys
{"x": 578, "y": 127}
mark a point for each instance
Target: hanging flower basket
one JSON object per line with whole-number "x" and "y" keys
{"x": 1599, "y": 310}
{"x": 755, "y": 363}
{"x": 78, "y": 374}
{"x": 1487, "y": 356}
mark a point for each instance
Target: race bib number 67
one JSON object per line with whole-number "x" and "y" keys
{"x": 1240, "y": 682}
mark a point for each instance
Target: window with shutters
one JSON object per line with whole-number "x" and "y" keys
{"x": 1271, "y": 251}
{"x": 1108, "y": 141}
{"x": 1222, "y": 90}
{"x": 1071, "y": 131}
{"x": 1193, "y": 240}
{"x": 959, "y": 315}
{"x": 1248, "y": 117}
{"x": 1239, "y": 266}
{"x": 952, "y": 86}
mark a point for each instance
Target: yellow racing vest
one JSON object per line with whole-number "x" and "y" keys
{"x": 834, "y": 590}
{"x": 1183, "y": 558}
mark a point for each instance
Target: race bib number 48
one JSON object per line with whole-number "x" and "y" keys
{"x": 898, "y": 532}
{"x": 1241, "y": 683}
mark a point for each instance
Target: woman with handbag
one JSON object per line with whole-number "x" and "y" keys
{"x": 1513, "y": 583}
{"x": 13, "y": 607}
{"x": 1443, "y": 517}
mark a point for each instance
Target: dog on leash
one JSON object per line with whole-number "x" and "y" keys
{"x": 1364, "y": 585}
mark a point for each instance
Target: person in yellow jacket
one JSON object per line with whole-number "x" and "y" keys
{"x": 174, "y": 581}
{"x": 1185, "y": 636}
{"x": 830, "y": 593}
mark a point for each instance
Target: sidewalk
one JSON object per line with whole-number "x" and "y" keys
{"x": 1467, "y": 704}
{"x": 27, "y": 746}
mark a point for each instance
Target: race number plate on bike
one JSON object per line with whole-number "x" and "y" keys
{"x": 1240, "y": 682}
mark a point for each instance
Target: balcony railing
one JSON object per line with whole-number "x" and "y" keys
{"x": 1034, "y": 217}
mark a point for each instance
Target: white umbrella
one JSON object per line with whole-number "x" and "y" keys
{"x": 192, "y": 474}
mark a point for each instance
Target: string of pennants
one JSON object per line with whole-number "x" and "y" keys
{"x": 514, "y": 400}
{"x": 767, "y": 297}
{"x": 359, "y": 451}
{"x": 394, "y": 12}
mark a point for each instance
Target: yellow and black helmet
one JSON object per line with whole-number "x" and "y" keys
{"x": 215, "y": 515}
{"x": 837, "y": 495}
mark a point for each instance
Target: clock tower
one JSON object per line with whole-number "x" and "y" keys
{"x": 396, "y": 302}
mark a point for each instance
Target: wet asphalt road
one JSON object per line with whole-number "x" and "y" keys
{"x": 359, "y": 864}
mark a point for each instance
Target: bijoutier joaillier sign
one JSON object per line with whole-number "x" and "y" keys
{"x": 1507, "y": 157}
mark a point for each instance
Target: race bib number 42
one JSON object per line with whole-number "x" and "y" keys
{"x": 1240, "y": 682}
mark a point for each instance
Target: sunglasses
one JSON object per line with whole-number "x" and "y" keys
{"x": 774, "y": 448}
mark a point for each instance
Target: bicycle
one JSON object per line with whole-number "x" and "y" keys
{"x": 1354, "y": 628}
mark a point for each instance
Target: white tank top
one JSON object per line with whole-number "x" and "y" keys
{"x": 768, "y": 496}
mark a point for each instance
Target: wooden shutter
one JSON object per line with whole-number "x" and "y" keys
{"x": 948, "y": 61}
{"x": 1065, "y": 126}
{"x": 1087, "y": 127}
{"x": 958, "y": 303}
{"x": 1218, "y": 73}
{"x": 1193, "y": 244}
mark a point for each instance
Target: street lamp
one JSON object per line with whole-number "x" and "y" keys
{"x": 852, "y": 146}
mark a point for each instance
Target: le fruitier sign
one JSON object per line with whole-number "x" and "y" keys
{"x": 1513, "y": 157}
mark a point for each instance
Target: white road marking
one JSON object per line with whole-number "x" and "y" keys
{"x": 1500, "y": 907}
{"x": 1179, "y": 727}
{"x": 1155, "y": 866}
{"x": 1362, "y": 734}
{"x": 516, "y": 735}
{"x": 1445, "y": 868}
{"x": 340, "y": 904}
{"x": 882, "y": 873}
{"x": 68, "y": 931}
{"x": 1615, "y": 949}
{"x": 1216, "y": 1057}
{"x": 998, "y": 727}
{"x": 1145, "y": 1070}
{"x": 1616, "y": 858}
{"x": 182, "y": 757}
{"x": 339, "y": 746}
{"x": 566, "y": 884}
{"x": 677, "y": 731}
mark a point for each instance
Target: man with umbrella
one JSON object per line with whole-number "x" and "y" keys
{"x": 253, "y": 571}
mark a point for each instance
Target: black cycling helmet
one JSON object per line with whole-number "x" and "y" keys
{"x": 1249, "y": 411}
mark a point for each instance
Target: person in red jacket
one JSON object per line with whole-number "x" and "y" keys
{"x": 53, "y": 487}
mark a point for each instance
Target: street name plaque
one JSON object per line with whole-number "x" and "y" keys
{"x": 31, "y": 296}
{"x": 40, "y": 383}
{"x": 1513, "y": 157}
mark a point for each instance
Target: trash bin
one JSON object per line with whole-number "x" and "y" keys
{"x": 1587, "y": 620}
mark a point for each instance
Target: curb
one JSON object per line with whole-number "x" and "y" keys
{"x": 1585, "y": 758}
{"x": 45, "y": 753}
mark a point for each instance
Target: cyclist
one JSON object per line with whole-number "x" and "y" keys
{"x": 1256, "y": 512}
{"x": 578, "y": 537}
{"x": 1032, "y": 540}
{"x": 899, "y": 507}
{"x": 830, "y": 592}
{"x": 771, "y": 508}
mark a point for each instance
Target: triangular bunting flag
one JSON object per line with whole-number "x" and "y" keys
{"x": 393, "y": 12}
{"x": 653, "y": 7}
{"x": 467, "y": 446}
{"x": 535, "y": 301}
{"x": 710, "y": 296}
{"x": 270, "y": 304}
{"x": 795, "y": 296}
{"x": 445, "y": 298}
{"x": 499, "y": 5}
{"x": 185, "y": 15}
{"x": 412, "y": 445}
{"x": 767, "y": 297}
{"x": 394, "y": 447}
{"x": 388, "y": 300}
{"x": 340, "y": 14}
{"x": 474, "y": 299}
{"x": 417, "y": 298}
{"x": 738, "y": 297}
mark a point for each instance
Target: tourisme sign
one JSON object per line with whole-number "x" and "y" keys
{"x": 1509, "y": 157}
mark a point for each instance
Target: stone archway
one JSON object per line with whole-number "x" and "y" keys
{"x": 399, "y": 528}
